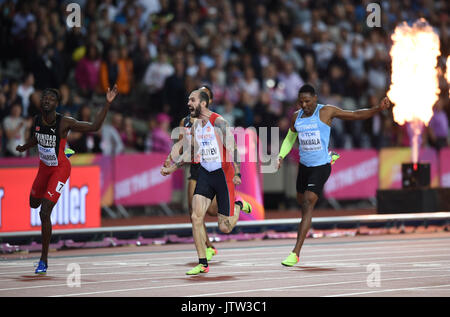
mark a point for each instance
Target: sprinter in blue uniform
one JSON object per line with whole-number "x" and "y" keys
{"x": 311, "y": 124}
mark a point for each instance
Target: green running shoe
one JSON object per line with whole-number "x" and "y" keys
{"x": 246, "y": 207}
{"x": 69, "y": 152}
{"x": 210, "y": 252}
{"x": 198, "y": 269}
{"x": 291, "y": 260}
{"x": 334, "y": 157}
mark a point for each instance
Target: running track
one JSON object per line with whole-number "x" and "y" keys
{"x": 407, "y": 265}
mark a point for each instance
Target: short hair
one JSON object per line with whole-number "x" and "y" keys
{"x": 307, "y": 88}
{"x": 53, "y": 91}
{"x": 211, "y": 96}
{"x": 204, "y": 97}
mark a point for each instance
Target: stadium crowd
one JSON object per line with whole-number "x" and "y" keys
{"x": 254, "y": 54}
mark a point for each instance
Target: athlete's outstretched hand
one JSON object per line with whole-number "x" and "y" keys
{"x": 21, "y": 148}
{"x": 385, "y": 103}
{"x": 111, "y": 94}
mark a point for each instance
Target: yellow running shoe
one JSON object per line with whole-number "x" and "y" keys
{"x": 334, "y": 157}
{"x": 210, "y": 252}
{"x": 291, "y": 260}
{"x": 246, "y": 207}
{"x": 69, "y": 152}
{"x": 198, "y": 269}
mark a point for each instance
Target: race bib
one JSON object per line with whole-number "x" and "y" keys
{"x": 310, "y": 141}
{"x": 210, "y": 151}
{"x": 48, "y": 155}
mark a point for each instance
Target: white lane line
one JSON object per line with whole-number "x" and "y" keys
{"x": 305, "y": 255}
{"x": 218, "y": 274}
{"x": 251, "y": 280}
{"x": 272, "y": 289}
{"x": 310, "y": 248}
{"x": 353, "y": 262}
{"x": 390, "y": 290}
{"x": 235, "y": 292}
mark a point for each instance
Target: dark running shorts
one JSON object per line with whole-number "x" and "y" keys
{"x": 193, "y": 171}
{"x": 313, "y": 178}
{"x": 217, "y": 183}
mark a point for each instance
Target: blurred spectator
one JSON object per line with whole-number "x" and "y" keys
{"x": 25, "y": 90}
{"x": 46, "y": 64}
{"x": 140, "y": 55}
{"x": 129, "y": 136}
{"x": 3, "y": 106}
{"x": 337, "y": 134}
{"x": 87, "y": 71}
{"x": 151, "y": 126}
{"x": 250, "y": 85}
{"x": 111, "y": 142}
{"x": 155, "y": 76}
{"x": 160, "y": 137}
{"x": 117, "y": 69}
{"x": 291, "y": 81}
{"x": 175, "y": 94}
{"x": 16, "y": 130}
{"x": 438, "y": 129}
{"x": 12, "y": 96}
{"x": 324, "y": 50}
{"x": 231, "y": 113}
{"x": 84, "y": 142}
{"x": 377, "y": 73}
{"x": 338, "y": 60}
{"x": 21, "y": 18}
{"x": 68, "y": 104}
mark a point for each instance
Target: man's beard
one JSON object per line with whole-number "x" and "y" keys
{"x": 196, "y": 113}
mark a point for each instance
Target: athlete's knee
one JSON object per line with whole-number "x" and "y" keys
{"x": 46, "y": 209}
{"x": 196, "y": 219}
{"x": 225, "y": 226}
{"x": 35, "y": 202}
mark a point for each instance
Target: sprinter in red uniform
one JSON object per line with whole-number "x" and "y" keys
{"x": 49, "y": 133}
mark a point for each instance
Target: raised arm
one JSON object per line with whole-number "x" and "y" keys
{"x": 84, "y": 126}
{"x": 361, "y": 114}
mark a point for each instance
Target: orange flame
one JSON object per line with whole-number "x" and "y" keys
{"x": 447, "y": 74}
{"x": 414, "y": 83}
{"x": 415, "y": 88}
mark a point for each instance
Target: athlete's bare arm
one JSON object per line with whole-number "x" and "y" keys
{"x": 177, "y": 145}
{"x": 230, "y": 145}
{"x": 32, "y": 141}
{"x": 69, "y": 123}
{"x": 329, "y": 112}
{"x": 177, "y": 156}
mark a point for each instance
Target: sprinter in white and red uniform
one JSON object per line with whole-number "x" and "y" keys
{"x": 49, "y": 133}
{"x": 215, "y": 150}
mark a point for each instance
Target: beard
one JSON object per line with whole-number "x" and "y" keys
{"x": 196, "y": 112}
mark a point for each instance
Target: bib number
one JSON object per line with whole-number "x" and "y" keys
{"x": 48, "y": 155}
{"x": 310, "y": 141}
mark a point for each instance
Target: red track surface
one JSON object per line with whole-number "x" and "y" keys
{"x": 411, "y": 265}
